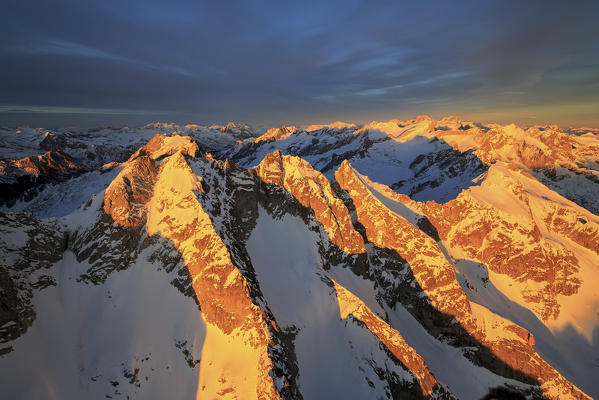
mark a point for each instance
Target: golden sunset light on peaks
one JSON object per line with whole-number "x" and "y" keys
{"x": 299, "y": 201}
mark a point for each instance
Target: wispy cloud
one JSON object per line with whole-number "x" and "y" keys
{"x": 29, "y": 109}
{"x": 67, "y": 48}
{"x": 423, "y": 82}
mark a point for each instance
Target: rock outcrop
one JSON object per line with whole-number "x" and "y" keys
{"x": 508, "y": 225}
{"x": 511, "y": 354}
{"x": 392, "y": 339}
{"x": 276, "y": 134}
{"x": 388, "y": 230}
{"x": 126, "y": 197}
{"x": 313, "y": 190}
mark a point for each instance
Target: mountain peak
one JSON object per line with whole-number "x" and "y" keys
{"x": 277, "y": 134}
{"x": 312, "y": 189}
{"x": 126, "y": 197}
{"x": 338, "y": 125}
{"x": 164, "y": 145}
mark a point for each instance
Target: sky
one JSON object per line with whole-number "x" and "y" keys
{"x": 113, "y": 62}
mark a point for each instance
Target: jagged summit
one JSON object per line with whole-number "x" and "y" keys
{"x": 400, "y": 259}
{"x": 276, "y": 134}
{"x": 240, "y": 131}
{"x": 313, "y": 190}
{"x": 162, "y": 145}
{"x": 338, "y": 125}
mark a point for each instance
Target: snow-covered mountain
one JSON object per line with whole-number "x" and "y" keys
{"x": 399, "y": 259}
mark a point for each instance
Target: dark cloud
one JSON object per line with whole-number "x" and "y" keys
{"x": 269, "y": 62}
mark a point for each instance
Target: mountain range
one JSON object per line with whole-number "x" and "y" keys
{"x": 421, "y": 258}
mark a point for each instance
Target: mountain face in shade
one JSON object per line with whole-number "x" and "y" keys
{"x": 399, "y": 259}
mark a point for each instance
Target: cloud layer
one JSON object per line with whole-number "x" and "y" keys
{"x": 269, "y": 62}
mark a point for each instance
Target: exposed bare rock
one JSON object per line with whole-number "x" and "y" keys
{"x": 107, "y": 246}
{"x": 514, "y": 346}
{"x": 20, "y": 175}
{"x": 339, "y": 125}
{"x": 277, "y": 134}
{"x": 126, "y": 197}
{"x": 163, "y": 145}
{"x": 579, "y": 226}
{"x": 536, "y": 148}
{"x": 239, "y": 131}
{"x": 386, "y": 229}
{"x": 28, "y": 250}
{"x": 435, "y": 275}
{"x": 49, "y": 163}
{"x": 392, "y": 339}
{"x": 313, "y": 190}
{"x": 302, "y": 284}
{"x": 512, "y": 228}
{"x": 233, "y": 320}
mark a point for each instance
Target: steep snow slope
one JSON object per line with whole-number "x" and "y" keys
{"x": 236, "y": 362}
{"x": 297, "y": 289}
{"x": 468, "y": 224}
{"x": 89, "y": 341}
{"x": 309, "y": 287}
{"x": 567, "y": 350}
{"x": 111, "y": 338}
{"x": 421, "y": 167}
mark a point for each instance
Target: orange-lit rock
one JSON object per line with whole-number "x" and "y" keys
{"x": 335, "y": 125}
{"x": 235, "y": 360}
{"x": 305, "y": 286}
{"x": 163, "y": 145}
{"x": 277, "y": 134}
{"x": 511, "y": 344}
{"x": 392, "y": 339}
{"x": 385, "y": 229}
{"x": 51, "y": 162}
{"x": 313, "y": 190}
{"x": 126, "y": 197}
{"x": 507, "y": 224}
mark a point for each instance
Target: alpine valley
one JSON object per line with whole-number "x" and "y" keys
{"x": 408, "y": 259}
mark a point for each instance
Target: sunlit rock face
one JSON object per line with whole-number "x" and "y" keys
{"x": 386, "y": 229}
{"x": 19, "y": 176}
{"x": 349, "y": 304}
{"x": 436, "y": 276}
{"x": 126, "y": 197}
{"x": 236, "y": 361}
{"x": 48, "y": 163}
{"x": 274, "y": 134}
{"x": 539, "y": 244}
{"x": 162, "y": 145}
{"x": 399, "y": 259}
{"x": 314, "y": 191}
